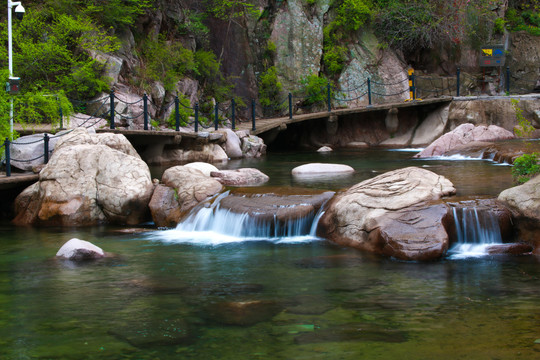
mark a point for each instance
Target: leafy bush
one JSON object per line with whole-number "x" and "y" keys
{"x": 315, "y": 89}
{"x": 50, "y": 53}
{"x": 526, "y": 167}
{"x": 165, "y": 61}
{"x": 110, "y": 13}
{"x": 184, "y": 112}
{"x": 270, "y": 89}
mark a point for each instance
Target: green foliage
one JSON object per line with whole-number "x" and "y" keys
{"x": 524, "y": 127}
{"x": 525, "y": 20}
{"x": 165, "y": 61}
{"x": 184, "y": 112}
{"x": 351, "y": 16}
{"x": 315, "y": 89}
{"x": 50, "y": 53}
{"x": 499, "y": 26}
{"x": 31, "y": 107}
{"x": 334, "y": 58}
{"x": 230, "y": 9}
{"x": 410, "y": 25}
{"x": 270, "y": 89}
{"x": 526, "y": 167}
{"x": 194, "y": 25}
{"x": 208, "y": 72}
{"x": 110, "y": 13}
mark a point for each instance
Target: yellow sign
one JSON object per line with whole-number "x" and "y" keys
{"x": 487, "y": 52}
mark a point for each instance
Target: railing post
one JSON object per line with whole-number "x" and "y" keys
{"x": 196, "y": 117}
{"x": 253, "y": 114}
{"x": 177, "y": 113}
{"x": 111, "y": 96}
{"x": 60, "y": 113}
{"x": 458, "y": 73}
{"x": 508, "y": 80}
{"x": 290, "y": 106}
{"x": 328, "y": 98}
{"x": 216, "y": 117}
{"x": 45, "y": 148}
{"x": 233, "y": 105}
{"x": 145, "y": 111}
{"x": 369, "y": 90}
{"x": 8, "y": 157}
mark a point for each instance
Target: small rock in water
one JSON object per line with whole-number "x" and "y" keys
{"x": 79, "y": 250}
{"x": 325, "y": 149}
{"x": 322, "y": 169}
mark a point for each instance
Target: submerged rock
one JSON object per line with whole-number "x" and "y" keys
{"x": 156, "y": 332}
{"x": 79, "y": 250}
{"x": 391, "y": 215}
{"x": 243, "y": 313}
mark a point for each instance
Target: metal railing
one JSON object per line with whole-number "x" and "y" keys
{"x": 375, "y": 91}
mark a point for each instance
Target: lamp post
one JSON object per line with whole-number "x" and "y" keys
{"x": 19, "y": 12}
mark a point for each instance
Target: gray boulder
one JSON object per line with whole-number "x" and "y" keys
{"x": 462, "y": 135}
{"x": 86, "y": 185}
{"x": 392, "y": 214}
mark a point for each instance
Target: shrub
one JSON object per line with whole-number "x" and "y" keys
{"x": 525, "y": 167}
{"x": 270, "y": 89}
{"x": 184, "y": 112}
{"x": 315, "y": 89}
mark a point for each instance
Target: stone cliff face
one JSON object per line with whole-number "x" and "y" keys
{"x": 296, "y": 29}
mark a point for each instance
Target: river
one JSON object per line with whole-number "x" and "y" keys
{"x": 164, "y": 298}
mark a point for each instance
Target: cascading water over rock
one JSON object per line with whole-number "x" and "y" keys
{"x": 246, "y": 217}
{"x": 476, "y": 229}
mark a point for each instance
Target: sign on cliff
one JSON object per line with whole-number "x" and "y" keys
{"x": 492, "y": 55}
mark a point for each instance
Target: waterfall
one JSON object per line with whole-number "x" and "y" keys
{"x": 210, "y": 224}
{"x": 476, "y": 229}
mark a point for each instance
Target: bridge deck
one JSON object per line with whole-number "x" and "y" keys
{"x": 264, "y": 125}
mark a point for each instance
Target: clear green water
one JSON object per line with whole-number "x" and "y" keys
{"x": 158, "y": 300}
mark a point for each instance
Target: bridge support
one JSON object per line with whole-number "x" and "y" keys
{"x": 391, "y": 120}
{"x": 332, "y": 125}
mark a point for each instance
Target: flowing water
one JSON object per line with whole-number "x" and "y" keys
{"x": 211, "y": 290}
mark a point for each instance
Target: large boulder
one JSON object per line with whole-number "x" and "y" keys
{"x": 462, "y": 135}
{"x": 181, "y": 190}
{"x": 391, "y": 214}
{"x": 86, "y": 185}
{"x": 524, "y": 203}
{"x": 82, "y": 136}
